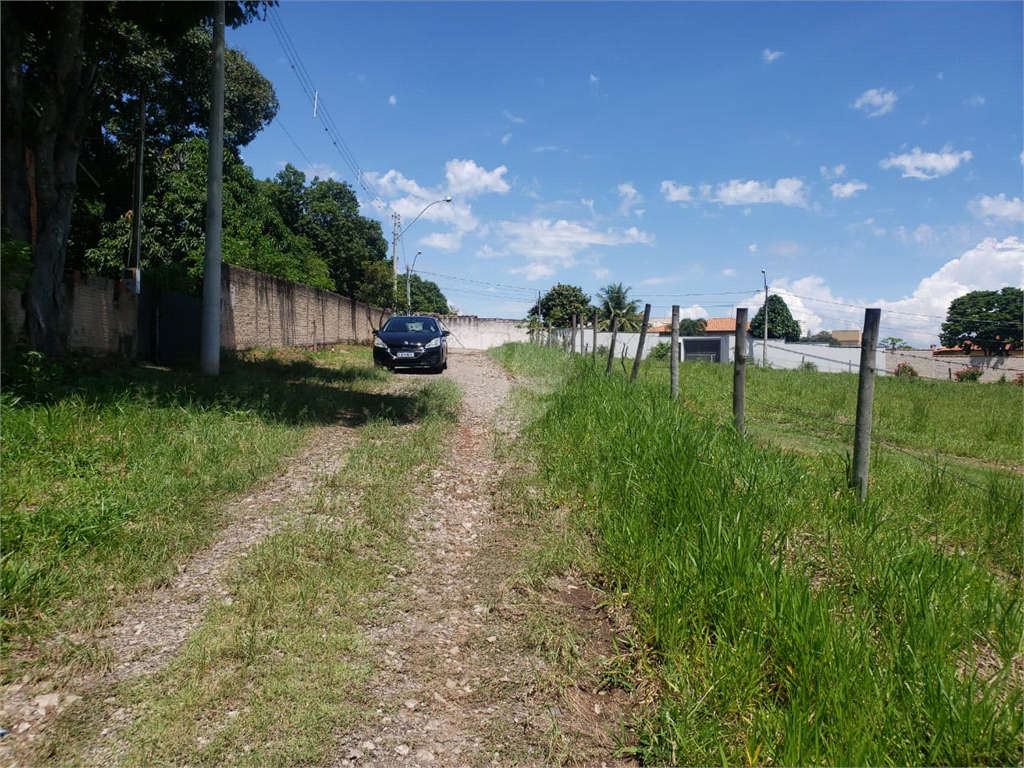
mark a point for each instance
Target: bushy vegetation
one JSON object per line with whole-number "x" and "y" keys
{"x": 784, "y": 622}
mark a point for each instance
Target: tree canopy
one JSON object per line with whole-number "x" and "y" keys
{"x": 781, "y": 324}
{"x": 689, "y": 327}
{"x": 54, "y": 56}
{"x": 426, "y": 296}
{"x": 559, "y": 304}
{"x": 614, "y": 301}
{"x": 990, "y": 320}
{"x": 821, "y": 337}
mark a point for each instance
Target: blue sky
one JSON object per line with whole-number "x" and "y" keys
{"x": 862, "y": 154}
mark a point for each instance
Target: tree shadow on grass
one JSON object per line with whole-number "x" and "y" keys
{"x": 295, "y": 391}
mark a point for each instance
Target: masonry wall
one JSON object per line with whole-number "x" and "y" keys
{"x": 100, "y": 316}
{"x": 263, "y": 311}
{"x": 472, "y": 332}
{"x": 930, "y": 366}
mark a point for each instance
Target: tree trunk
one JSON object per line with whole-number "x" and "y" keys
{"x": 65, "y": 94}
{"x": 14, "y": 187}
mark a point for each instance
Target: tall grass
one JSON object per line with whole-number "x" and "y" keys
{"x": 794, "y": 626}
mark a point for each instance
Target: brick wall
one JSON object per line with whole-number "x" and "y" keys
{"x": 100, "y": 316}
{"x": 929, "y": 366}
{"x": 264, "y": 311}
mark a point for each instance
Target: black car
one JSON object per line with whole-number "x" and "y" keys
{"x": 411, "y": 342}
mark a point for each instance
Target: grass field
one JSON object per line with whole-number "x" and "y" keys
{"x": 781, "y": 621}
{"x": 112, "y": 475}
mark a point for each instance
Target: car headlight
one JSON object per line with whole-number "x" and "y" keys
{"x": 378, "y": 343}
{"x": 433, "y": 343}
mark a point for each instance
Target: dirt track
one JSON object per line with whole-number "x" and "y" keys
{"x": 457, "y": 682}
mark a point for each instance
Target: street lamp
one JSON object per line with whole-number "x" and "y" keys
{"x": 764, "y": 350}
{"x": 394, "y": 243}
{"x": 408, "y": 277}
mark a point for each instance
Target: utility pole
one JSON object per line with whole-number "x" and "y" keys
{"x": 408, "y": 278}
{"x": 396, "y": 218}
{"x": 210, "y": 346}
{"x": 764, "y": 349}
{"x": 135, "y": 255}
{"x": 674, "y": 356}
{"x": 739, "y": 370}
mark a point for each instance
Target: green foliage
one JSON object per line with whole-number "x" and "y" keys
{"x": 660, "y": 351}
{"x": 893, "y": 342}
{"x": 689, "y": 327}
{"x": 781, "y": 324}
{"x": 807, "y": 365}
{"x": 789, "y": 625}
{"x": 558, "y": 306}
{"x": 173, "y": 238}
{"x": 990, "y": 320}
{"x": 426, "y": 296}
{"x": 906, "y": 370}
{"x": 614, "y": 301}
{"x": 821, "y": 337}
{"x": 969, "y": 375}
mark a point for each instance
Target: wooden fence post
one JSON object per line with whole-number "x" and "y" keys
{"x": 572, "y": 335}
{"x": 739, "y": 371}
{"x": 640, "y": 344}
{"x": 595, "y": 336}
{"x": 865, "y": 401}
{"x": 611, "y": 347}
{"x": 674, "y": 354}
{"x": 549, "y": 335}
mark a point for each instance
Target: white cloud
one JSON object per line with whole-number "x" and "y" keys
{"x": 442, "y": 241}
{"x": 654, "y": 281}
{"x": 589, "y": 205}
{"x": 392, "y": 100}
{"x": 998, "y": 207}
{"x": 728, "y": 272}
{"x": 876, "y": 101}
{"x": 849, "y": 189}
{"x": 674, "y": 193}
{"x": 594, "y": 79}
{"x": 547, "y": 245}
{"x": 924, "y": 234}
{"x": 834, "y": 172}
{"x": 466, "y": 179}
{"x": 630, "y": 199}
{"x": 927, "y": 165}
{"x": 785, "y": 191}
{"x": 601, "y": 273}
{"x": 321, "y": 170}
{"x": 693, "y": 312}
{"x": 770, "y": 56}
{"x": 506, "y": 138}
{"x": 752, "y": 247}
{"x": 787, "y": 248}
{"x": 917, "y": 318}
{"x": 512, "y": 118}
{"x": 976, "y": 100}
{"x": 868, "y": 224}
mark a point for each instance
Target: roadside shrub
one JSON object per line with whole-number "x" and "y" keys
{"x": 969, "y": 374}
{"x": 906, "y": 370}
{"x": 660, "y": 351}
{"x": 807, "y": 365}
{"x": 1019, "y": 381}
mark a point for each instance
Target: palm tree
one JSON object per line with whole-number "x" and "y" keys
{"x": 614, "y": 302}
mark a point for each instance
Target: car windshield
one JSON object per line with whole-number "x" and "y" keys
{"x": 406, "y": 325}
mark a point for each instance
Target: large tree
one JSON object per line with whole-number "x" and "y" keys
{"x": 52, "y": 55}
{"x": 426, "y": 295}
{"x": 173, "y": 239}
{"x": 614, "y": 301}
{"x": 991, "y": 320}
{"x": 690, "y": 327}
{"x": 781, "y": 324}
{"x": 558, "y": 306}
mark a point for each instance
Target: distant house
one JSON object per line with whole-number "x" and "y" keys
{"x": 847, "y": 338}
{"x": 661, "y": 330}
{"x": 969, "y": 349}
{"x": 721, "y": 326}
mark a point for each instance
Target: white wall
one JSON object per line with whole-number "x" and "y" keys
{"x": 472, "y": 332}
{"x": 828, "y": 359}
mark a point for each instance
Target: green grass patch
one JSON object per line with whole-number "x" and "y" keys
{"x": 792, "y": 625}
{"x": 113, "y": 474}
{"x": 278, "y": 674}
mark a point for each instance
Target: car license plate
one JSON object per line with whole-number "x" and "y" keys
{"x": 406, "y": 354}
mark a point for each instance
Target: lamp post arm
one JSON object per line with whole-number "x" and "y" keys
{"x": 442, "y": 200}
